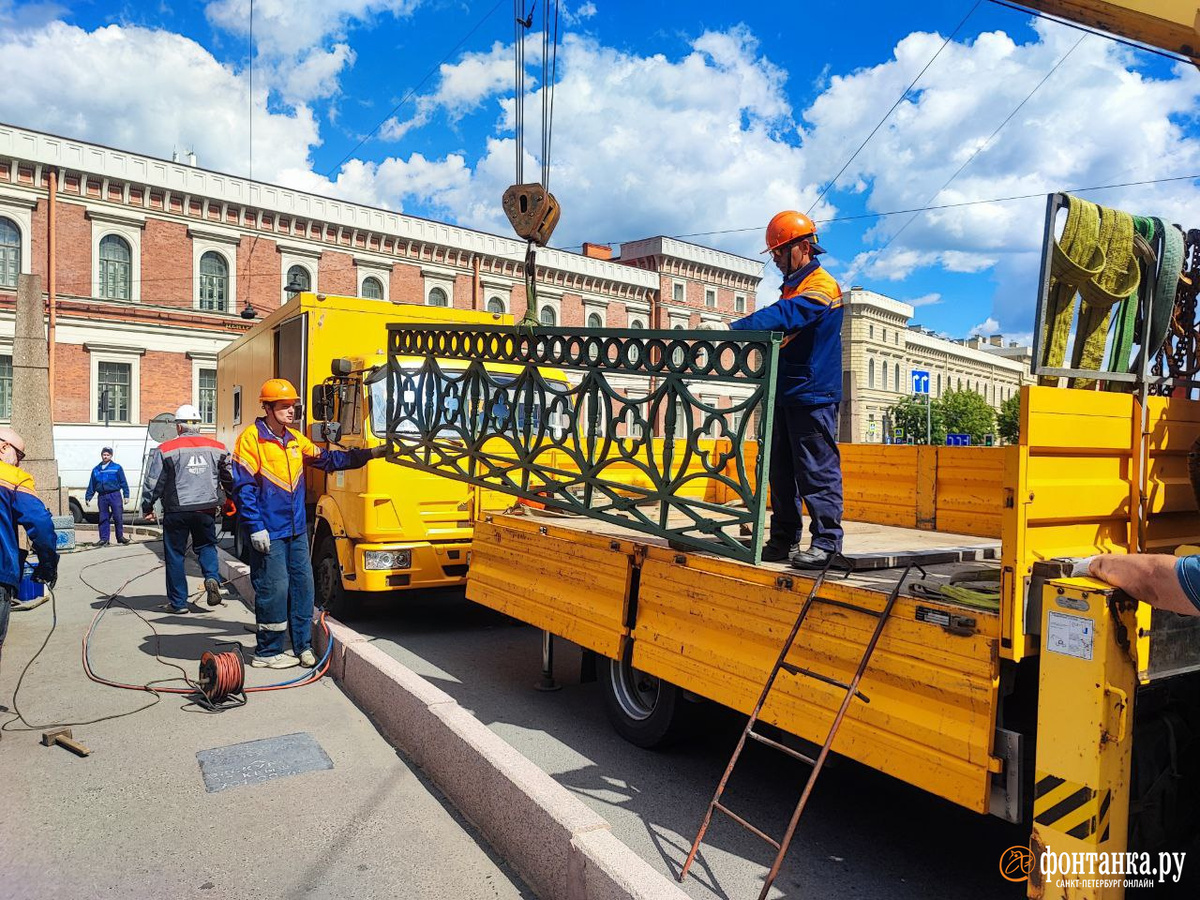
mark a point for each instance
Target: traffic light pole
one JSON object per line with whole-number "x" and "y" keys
{"x": 928, "y": 419}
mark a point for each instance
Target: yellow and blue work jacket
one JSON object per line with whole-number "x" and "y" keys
{"x": 20, "y": 505}
{"x": 809, "y": 312}
{"x": 268, "y": 477}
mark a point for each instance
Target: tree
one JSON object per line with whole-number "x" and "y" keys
{"x": 1009, "y": 419}
{"x": 909, "y": 414}
{"x": 966, "y": 412}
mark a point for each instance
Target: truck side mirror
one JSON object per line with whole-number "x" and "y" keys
{"x": 325, "y": 432}
{"x": 323, "y": 397}
{"x": 341, "y": 367}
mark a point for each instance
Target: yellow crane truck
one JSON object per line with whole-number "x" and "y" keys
{"x": 1049, "y": 700}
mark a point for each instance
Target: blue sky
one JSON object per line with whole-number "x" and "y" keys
{"x": 670, "y": 118}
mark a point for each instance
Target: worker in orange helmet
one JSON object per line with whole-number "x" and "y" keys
{"x": 268, "y": 484}
{"x": 805, "y": 463}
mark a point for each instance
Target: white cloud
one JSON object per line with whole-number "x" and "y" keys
{"x": 282, "y": 26}
{"x": 302, "y": 46}
{"x": 642, "y": 144}
{"x": 1074, "y": 132}
{"x": 986, "y": 327}
{"x": 161, "y": 91}
{"x": 925, "y": 300}
{"x": 572, "y": 15}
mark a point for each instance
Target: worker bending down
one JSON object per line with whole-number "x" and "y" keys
{"x": 805, "y": 463}
{"x": 268, "y": 484}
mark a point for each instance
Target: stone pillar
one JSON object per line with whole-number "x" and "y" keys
{"x": 32, "y": 417}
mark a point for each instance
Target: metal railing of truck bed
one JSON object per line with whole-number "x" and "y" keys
{"x": 624, "y": 426}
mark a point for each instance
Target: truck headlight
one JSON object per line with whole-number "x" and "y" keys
{"x": 387, "y": 559}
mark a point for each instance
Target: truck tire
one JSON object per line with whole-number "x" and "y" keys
{"x": 76, "y": 511}
{"x": 645, "y": 710}
{"x": 327, "y": 578}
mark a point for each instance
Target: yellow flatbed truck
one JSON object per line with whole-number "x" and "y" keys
{"x": 379, "y": 528}
{"x": 1064, "y": 708}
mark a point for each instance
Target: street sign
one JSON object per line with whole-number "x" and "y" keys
{"x": 920, "y": 382}
{"x": 899, "y": 435}
{"x": 958, "y": 440}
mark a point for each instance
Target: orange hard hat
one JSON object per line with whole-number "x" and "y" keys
{"x": 790, "y": 226}
{"x": 277, "y": 389}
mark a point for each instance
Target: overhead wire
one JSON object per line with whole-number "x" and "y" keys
{"x": 416, "y": 87}
{"x": 875, "y": 253}
{"x": 853, "y": 156}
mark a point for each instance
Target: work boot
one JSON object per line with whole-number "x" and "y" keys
{"x": 812, "y": 558}
{"x": 777, "y": 551}
{"x": 213, "y": 588}
{"x": 281, "y": 661}
{"x": 308, "y": 659}
{"x": 178, "y": 610}
{"x": 124, "y": 540}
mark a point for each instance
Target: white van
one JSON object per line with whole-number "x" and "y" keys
{"x": 77, "y": 448}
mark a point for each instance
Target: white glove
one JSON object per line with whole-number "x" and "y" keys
{"x": 1080, "y": 569}
{"x": 712, "y": 326}
{"x": 261, "y": 541}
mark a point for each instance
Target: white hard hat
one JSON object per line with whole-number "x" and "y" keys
{"x": 187, "y": 413}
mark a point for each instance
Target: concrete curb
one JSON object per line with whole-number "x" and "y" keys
{"x": 561, "y": 848}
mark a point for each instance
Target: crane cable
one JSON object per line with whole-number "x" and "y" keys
{"x": 550, "y": 30}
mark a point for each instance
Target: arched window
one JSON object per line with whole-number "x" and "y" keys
{"x": 437, "y": 297}
{"x": 495, "y": 305}
{"x": 546, "y": 316}
{"x": 960, "y": 384}
{"x": 871, "y": 373}
{"x": 636, "y": 323}
{"x": 594, "y": 321}
{"x": 939, "y": 384}
{"x": 897, "y": 372}
{"x": 214, "y": 282}
{"x": 116, "y": 267}
{"x": 372, "y": 288}
{"x": 298, "y": 277}
{"x": 10, "y": 253}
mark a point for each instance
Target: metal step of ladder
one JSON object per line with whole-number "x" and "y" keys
{"x": 781, "y": 664}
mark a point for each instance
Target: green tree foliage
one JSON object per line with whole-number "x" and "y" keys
{"x": 966, "y": 412}
{"x": 909, "y": 414}
{"x": 1008, "y": 421}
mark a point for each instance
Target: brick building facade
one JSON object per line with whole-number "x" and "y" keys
{"x": 159, "y": 264}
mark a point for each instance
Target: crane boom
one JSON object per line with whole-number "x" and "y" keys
{"x": 1171, "y": 25}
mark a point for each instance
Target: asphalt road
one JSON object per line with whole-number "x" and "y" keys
{"x": 864, "y": 834}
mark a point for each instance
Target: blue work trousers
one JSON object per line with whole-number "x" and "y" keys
{"x": 283, "y": 595}
{"x": 201, "y": 527}
{"x": 806, "y": 467}
{"x": 6, "y": 598}
{"x": 112, "y": 507}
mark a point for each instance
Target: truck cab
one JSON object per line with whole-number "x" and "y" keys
{"x": 383, "y": 527}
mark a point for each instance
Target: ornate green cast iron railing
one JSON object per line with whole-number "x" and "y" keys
{"x": 624, "y": 426}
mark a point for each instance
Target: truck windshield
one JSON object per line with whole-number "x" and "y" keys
{"x": 504, "y": 407}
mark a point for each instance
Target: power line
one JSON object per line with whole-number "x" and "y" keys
{"x": 902, "y": 212}
{"x": 1062, "y": 59}
{"x": 416, "y": 87}
{"x": 829, "y": 185}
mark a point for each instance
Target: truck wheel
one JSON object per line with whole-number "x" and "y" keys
{"x": 76, "y": 511}
{"x": 327, "y": 577}
{"x": 644, "y": 709}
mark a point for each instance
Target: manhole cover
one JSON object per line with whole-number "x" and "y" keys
{"x": 257, "y": 761}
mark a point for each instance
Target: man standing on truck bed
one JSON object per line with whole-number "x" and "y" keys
{"x": 268, "y": 479}
{"x": 185, "y": 473}
{"x": 805, "y": 463}
{"x": 109, "y": 486}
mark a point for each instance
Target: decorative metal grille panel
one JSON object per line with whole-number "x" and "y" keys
{"x": 624, "y": 426}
